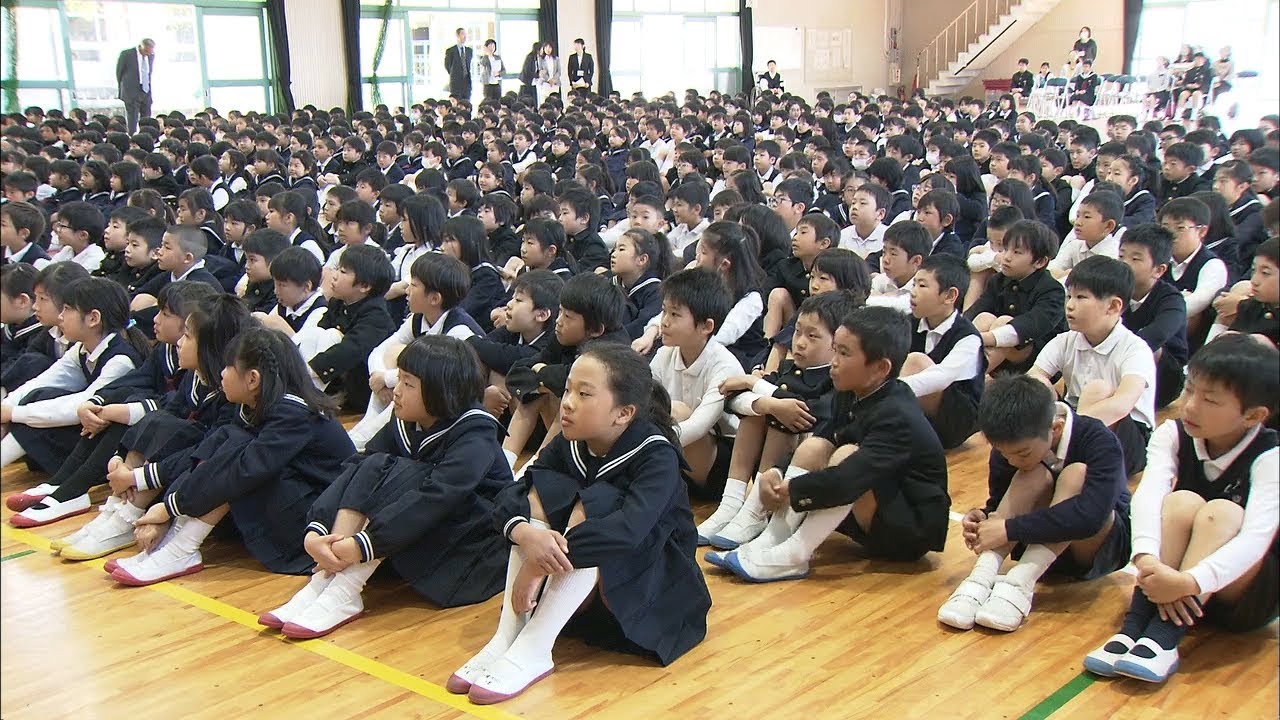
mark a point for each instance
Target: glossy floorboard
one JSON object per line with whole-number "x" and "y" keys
{"x": 858, "y": 639}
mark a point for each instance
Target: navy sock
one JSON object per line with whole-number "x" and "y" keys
{"x": 1164, "y": 633}
{"x": 1140, "y": 612}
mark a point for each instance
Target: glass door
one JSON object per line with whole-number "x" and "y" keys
{"x": 433, "y": 32}
{"x": 233, "y": 53}
{"x": 45, "y": 78}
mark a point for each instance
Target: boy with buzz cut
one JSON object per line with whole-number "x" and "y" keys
{"x": 579, "y": 213}
{"x": 946, "y": 368}
{"x": 1157, "y": 312}
{"x": 354, "y": 323}
{"x": 937, "y": 211}
{"x": 852, "y": 475}
{"x": 260, "y": 249}
{"x": 526, "y": 328}
{"x": 776, "y": 411}
{"x": 21, "y": 225}
{"x": 814, "y": 233}
{"x": 1058, "y": 502}
{"x": 691, "y": 365}
{"x": 179, "y": 257}
{"x": 1107, "y": 371}
{"x": 591, "y": 309}
{"x": 295, "y": 277}
{"x": 1093, "y": 233}
{"x": 906, "y": 245}
{"x": 1204, "y": 515}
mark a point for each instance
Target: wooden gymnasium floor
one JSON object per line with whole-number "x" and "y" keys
{"x": 859, "y": 639}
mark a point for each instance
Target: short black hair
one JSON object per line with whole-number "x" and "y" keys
{"x": 1237, "y": 170}
{"x": 1245, "y": 366}
{"x": 950, "y": 272}
{"x": 1156, "y": 238}
{"x": 796, "y": 190}
{"x": 847, "y": 269}
{"x": 182, "y": 296}
{"x": 1189, "y": 154}
{"x": 26, "y": 216}
{"x": 451, "y": 375}
{"x": 356, "y": 211}
{"x": 150, "y": 229}
{"x": 887, "y": 171}
{"x": 372, "y": 177}
{"x": 1186, "y": 208}
{"x": 824, "y": 228}
{"x": 1266, "y": 157}
{"x": 1016, "y": 407}
{"x": 945, "y": 202}
{"x": 55, "y": 278}
{"x": 444, "y": 274}
{"x": 694, "y": 194}
{"x": 583, "y": 202}
{"x": 911, "y": 236}
{"x": 1035, "y": 236}
{"x": 18, "y": 279}
{"x": 370, "y": 266}
{"x": 1003, "y": 217}
{"x": 832, "y": 307}
{"x": 882, "y": 196}
{"x": 1102, "y": 277}
{"x": 1108, "y": 204}
{"x": 596, "y": 299}
{"x": 266, "y": 243}
{"x": 82, "y": 216}
{"x": 542, "y": 288}
{"x": 702, "y": 291}
{"x": 297, "y": 265}
{"x": 505, "y": 210}
{"x": 548, "y": 233}
{"x": 884, "y": 334}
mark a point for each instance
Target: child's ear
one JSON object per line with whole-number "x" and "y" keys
{"x": 1256, "y": 415}
{"x": 93, "y": 318}
{"x": 949, "y": 220}
{"x": 1111, "y": 226}
{"x": 1160, "y": 270}
{"x": 1203, "y": 232}
{"x": 542, "y": 315}
{"x": 708, "y": 327}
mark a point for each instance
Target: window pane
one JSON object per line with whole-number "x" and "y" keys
{"x": 393, "y": 53}
{"x": 244, "y": 99}
{"x": 245, "y": 62}
{"x": 41, "y": 97}
{"x": 391, "y": 93}
{"x": 728, "y": 52}
{"x": 729, "y": 6}
{"x": 628, "y": 46}
{"x": 653, "y": 5}
{"x": 518, "y": 5}
{"x": 664, "y": 69}
{"x": 40, "y": 50}
{"x": 623, "y": 6}
{"x": 515, "y": 38}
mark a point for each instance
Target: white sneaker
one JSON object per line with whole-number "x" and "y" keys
{"x": 1102, "y": 661}
{"x": 25, "y": 499}
{"x": 336, "y": 606}
{"x": 129, "y": 562}
{"x": 106, "y": 510}
{"x": 110, "y": 532}
{"x": 961, "y": 608}
{"x": 743, "y": 528}
{"x": 770, "y": 564}
{"x": 49, "y": 511}
{"x": 723, "y": 515}
{"x": 1154, "y": 669}
{"x": 505, "y": 679}
{"x": 460, "y": 682}
{"x": 1006, "y": 608}
{"x": 300, "y": 601}
{"x": 160, "y": 565}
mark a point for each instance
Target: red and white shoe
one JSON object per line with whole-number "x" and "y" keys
{"x": 48, "y": 511}
{"x": 164, "y": 564}
{"x": 300, "y": 601}
{"x": 504, "y": 680}
{"x": 29, "y": 497}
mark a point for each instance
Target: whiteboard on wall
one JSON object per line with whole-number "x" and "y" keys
{"x": 782, "y": 44}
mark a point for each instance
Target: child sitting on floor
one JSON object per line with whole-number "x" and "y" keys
{"x": 1157, "y": 312}
{"x": 852, "y": 475}
{"x": 1204, "y": 515}
{"x": 1058, "y": 501}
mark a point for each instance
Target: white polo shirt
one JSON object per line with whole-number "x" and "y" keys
{"x": 1122, "y": 353}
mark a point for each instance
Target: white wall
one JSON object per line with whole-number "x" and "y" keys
{"x": 316, "y": 63}
{"x": 866, "y": 18}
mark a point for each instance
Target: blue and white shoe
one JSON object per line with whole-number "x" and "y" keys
{"x": 717, "y": 558}
{"x": 1149, "y": 662}
{"x": 765, "y": 566}
{"x": 1102, "y": 661}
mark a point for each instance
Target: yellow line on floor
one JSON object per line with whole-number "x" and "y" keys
{"x": 324, "y": 649}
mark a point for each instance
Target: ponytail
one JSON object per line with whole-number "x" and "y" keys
{"x": 112, "y": 303}
{"x": 216, "y": 321}
{"x": 623, "y": 365}
{"x": 294, "y": 203}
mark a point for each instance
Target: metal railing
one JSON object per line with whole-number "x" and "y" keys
{"x": 956, "y": 37}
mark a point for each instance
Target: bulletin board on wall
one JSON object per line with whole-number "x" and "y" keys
{"x": 811, "y": 55}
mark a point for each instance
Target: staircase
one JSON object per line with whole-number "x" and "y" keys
{"x": 961, "y": 52}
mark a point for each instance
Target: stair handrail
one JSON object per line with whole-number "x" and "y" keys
{"x": 956, "y": 37}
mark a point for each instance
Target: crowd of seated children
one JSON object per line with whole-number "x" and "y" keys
{"x": 761, "y": 322}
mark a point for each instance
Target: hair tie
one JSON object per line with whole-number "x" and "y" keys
{"x": 133, "y": 323}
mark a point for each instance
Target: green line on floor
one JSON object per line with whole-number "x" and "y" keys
{"x": 16, "y": 555}
{"x": 1062, "y": 696}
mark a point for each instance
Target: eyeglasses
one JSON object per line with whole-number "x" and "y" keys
{"x": 61, "y": 226}
{"x": 1181, "y": 228}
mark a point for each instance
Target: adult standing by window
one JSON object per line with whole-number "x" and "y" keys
{"x": 548, "y": 82}
{"x": 582, "y": 67}
{"x": 529, "y": 74}
{"x": 491, "y": 70}
{"x": 133, "y": 80}
{"x": 457, "y": 61}
{"x": 1086, "y": 48}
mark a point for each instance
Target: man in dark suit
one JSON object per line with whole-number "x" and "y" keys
{"x": 582, "y": 67}
{"x": 133, "y": 78}
{"x": 457, "y": 60}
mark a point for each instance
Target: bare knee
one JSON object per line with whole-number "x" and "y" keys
{"x": 813, "y": 453}
{"x": 1220, "y": 513}
{"x": 915, "y": 363}
{"x": 1070, "y": 481}
{"x": 680, "y": 411}
{"x": 842, "y": 453}
{"x": 1182, "y": 505}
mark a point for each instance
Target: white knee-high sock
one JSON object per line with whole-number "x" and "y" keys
{"x": 1035, "y": 561}
{"x": 510, "y": 622}
{"x": 562, "y": 598}
{"x": 10, "y": 450}
{"x": 816, "y": 527}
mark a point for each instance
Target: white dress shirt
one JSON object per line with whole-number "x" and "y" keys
{"x": 962, "y": 363}
{"x": 1118, "y": 356}
{"x": 696, "y": 385}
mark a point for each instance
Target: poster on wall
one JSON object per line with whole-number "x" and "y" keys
{"x": 830, "y": 54}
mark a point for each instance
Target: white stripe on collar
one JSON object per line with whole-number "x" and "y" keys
{"x": 643, "y": 283}
{"x": 437, "y": 435}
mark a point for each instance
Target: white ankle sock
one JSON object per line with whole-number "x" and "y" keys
{"x": 1036, "y": 559}
{"x": 128, "y": 512}
{"x": 794, "y": 471}
{"x": 735, "y": 491}
{"x": 10, "y": 450}
{"x": 353, "y": 577}
{"x": 562, "y": 598}
{"x": 730, "y": 502}
{"x": 189, "y": 538}
{"x": 781, "y": 527}
{"x": 816, "y": 527}
{"x": 986, "y": 568}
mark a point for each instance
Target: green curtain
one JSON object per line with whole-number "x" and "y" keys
{"x": 377, "y": 53}
{"x": 10, "y": 100}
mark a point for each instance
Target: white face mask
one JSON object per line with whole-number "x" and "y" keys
{"x": 933, "y": 158}
{"x": 861, "y": 164}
